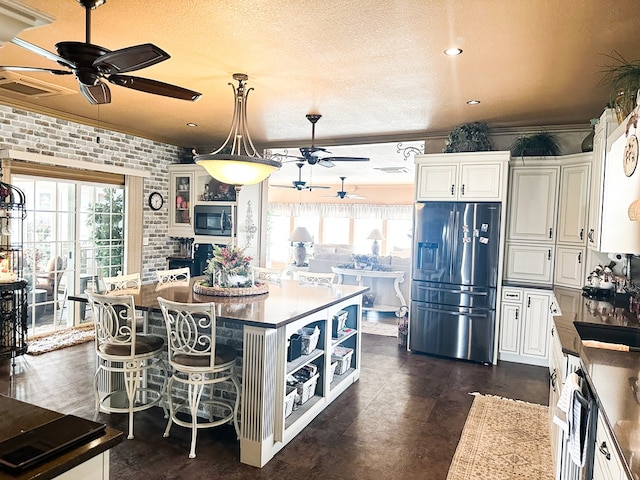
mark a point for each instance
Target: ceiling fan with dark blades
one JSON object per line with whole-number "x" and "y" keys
{"x": 342, "y": 194}
{"x": 321, "y": 156}
{"x": 300, "y": 184}
{"x": 91, "y": 64}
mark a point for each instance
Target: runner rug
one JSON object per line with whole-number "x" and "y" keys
{"x": 60, "y": 339}
{"x": 503, "y": 439}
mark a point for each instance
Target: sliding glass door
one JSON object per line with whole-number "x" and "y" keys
{"x": 74, "y": 234}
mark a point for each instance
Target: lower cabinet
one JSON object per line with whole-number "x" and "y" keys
{"x": 607, "y": 464}
{"x": 524, "y": 325}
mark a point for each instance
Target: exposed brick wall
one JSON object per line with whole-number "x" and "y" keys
{"x": 36, "y": 133}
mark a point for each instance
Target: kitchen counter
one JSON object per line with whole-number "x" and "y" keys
{"x": 16, "y": 416}
{"x": 612, "y": 374}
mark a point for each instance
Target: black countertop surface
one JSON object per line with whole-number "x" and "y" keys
{"x": 613, "y": 374}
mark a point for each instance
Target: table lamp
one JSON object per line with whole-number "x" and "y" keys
{"x": 300, "y": 236}
{"x": 375, "y": 235}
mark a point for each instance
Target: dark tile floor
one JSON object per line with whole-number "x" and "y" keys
{"x": 402, "y": 420}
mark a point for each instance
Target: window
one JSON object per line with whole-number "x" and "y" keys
{"x": 336, "y": 230}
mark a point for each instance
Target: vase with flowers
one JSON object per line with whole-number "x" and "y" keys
{"x": 229, "y": 274}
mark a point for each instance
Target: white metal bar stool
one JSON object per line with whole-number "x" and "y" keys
{"x": 174, "y": 276}
{"x": 120, "y": 350}
{"x": 198, "y": 362}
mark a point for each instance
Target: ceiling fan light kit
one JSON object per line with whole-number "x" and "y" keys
{"x": 91, "y": 64}
{"x": 237, "y": 162}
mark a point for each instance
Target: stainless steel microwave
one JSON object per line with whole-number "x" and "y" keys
{"x": 215, "y": 220}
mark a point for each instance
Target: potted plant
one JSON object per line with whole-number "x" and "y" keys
{"x": 469, "y": 137}
{"x": 537, "y": 144}
{"x": 623, "y": 78}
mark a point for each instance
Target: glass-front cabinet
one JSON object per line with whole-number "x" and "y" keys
{"x": 181, "y": 208}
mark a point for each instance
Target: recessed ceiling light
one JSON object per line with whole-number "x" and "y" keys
{"x": 452, "y": 52}
{"x": 473, "y": 102}
{"x": 192, "y": 124}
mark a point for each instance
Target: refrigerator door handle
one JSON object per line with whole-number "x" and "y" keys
{"x": 453, "y": 290}
{"x": 457, "y": 314}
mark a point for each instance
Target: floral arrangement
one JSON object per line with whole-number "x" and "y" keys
{"x": 365, "y": 262}
{"x": 229, "y": 267}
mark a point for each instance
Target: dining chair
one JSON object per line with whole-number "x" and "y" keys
{"x": 115, "y": 285}
{"x": 124, "y": 357}
{"x": 198, "y": 362}
{"x": 174, "y": 276}
{"x": 326, "y": 279}
{"x": 268, "y": 274}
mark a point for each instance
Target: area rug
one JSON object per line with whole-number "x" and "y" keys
{"x": 379, "y": 328}
{"x": 503, "y": 439}
{"x": 60, "y": 339}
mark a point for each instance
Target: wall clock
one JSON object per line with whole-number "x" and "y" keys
{"x": 630, "y": 155}
{"x": 156, "y": 201}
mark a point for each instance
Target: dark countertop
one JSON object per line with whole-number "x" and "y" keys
{"x": 613, "y": 374}
{"x": 285, "y": 302}
{"x": 16, "y": 416}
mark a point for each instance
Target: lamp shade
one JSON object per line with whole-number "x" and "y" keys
{"x": 301, "y": 235}
{"x": 375, "y": 235}
{"x": 237, "y": 169}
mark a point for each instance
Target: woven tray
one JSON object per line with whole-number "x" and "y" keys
{"x": 257, "y": 289}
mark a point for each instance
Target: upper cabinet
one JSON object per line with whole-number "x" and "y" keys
{"x": 574, "y": 202}
{"x": 547, "y": 220}
{"x": 181, "y": 201}
{"x": 610, "y": 229}
{"x": 473, "y": 176}
{"x": 532, "y": 203}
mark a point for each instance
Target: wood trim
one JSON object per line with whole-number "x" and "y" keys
{"x": 134, "y": 191}
{"x": 18, "y": 167}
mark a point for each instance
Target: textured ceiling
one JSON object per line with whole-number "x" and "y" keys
{"x": 373, "y": 68}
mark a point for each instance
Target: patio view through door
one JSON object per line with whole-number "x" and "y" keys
{"x": 73, "y": 235}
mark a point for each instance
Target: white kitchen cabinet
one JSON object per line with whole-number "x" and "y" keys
{"x": 533, "y": 195}
{"x": 524, "y": 326}
{"x": 570, "y": 270}
{"x": 474, "y": 176}
{"x": 529, "y": 263}
{"x": 608, "y": 123}
{"x": 181, "y": 188}
{"x": 557, "y": 369}
{"x": 574, "y": 202}
{"x": 607, "y": 464}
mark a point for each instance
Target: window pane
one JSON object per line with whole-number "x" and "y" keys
{"x": 398, "y": 237}
{"x": 278, "y": 239}
{"x": 336, "y": 230}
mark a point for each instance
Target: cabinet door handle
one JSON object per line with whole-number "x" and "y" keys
{"x": 528, "y": 302}
{"x": 604, "y": 450}
{"x": 462, "y": 189}
{"x": 590, "y": 235}
{"x": 553, "y": 378}
{"x": 516, "y": 313}
{"x": 453, "y": 189}
{"x": 553, "y": 331}
{"x": 581, "y": 233}
{"x": 549, "y": 255}
{"x": 550, "y": 232}
{"x": 579, "y": 257}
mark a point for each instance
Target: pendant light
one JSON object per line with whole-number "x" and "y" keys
{"x": 237, "y": 162}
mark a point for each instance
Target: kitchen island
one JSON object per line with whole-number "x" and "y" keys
{"x": 612, "y": 375}
{"x": 265, "y": 324}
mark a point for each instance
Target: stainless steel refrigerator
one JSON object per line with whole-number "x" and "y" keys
{"x": 454, "y": 279}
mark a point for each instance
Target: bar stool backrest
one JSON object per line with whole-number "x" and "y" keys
{"x": 113, "y": 317}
